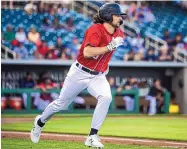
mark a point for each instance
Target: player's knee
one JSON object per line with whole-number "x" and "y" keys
{"x": 107, "y": 98}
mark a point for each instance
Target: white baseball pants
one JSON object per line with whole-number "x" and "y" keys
{"x": 152, "y": 105}
{"x": 129, "y": 103}
{"x": 76, "y": 81}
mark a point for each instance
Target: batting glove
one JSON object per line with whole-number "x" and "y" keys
{"x": 116, "y": 42}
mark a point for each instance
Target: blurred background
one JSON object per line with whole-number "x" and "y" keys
{"x": 40, "y": 40}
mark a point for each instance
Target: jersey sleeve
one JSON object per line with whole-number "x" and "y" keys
{"x": 93, "y": 36}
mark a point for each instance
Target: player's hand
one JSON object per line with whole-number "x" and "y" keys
{"x": 116, "y": 42}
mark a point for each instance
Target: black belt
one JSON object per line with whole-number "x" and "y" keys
{"x": 88, "y": 70}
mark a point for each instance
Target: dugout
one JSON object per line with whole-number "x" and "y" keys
{"x": 173, "y": 75}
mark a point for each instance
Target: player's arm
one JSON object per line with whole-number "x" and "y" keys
{"x": 90, "y": 51}
{"x": 119, "y": 89}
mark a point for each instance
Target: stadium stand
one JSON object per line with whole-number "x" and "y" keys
{"x": 167, "y": 17}
{"x": 60, "y": 22}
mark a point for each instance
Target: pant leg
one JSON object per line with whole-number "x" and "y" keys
{"x": 152, "y": 105}
{"x": 24, "y": 96}
{"x": 42, "y": 104}
{"x": 129, "y": 103}
{"x": 132, "y": 102}
{"x": 100, "y": 89}
{"x": 75, "y": 82}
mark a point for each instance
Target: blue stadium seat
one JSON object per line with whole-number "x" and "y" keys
{"x": 168, "y": 17}
{"x": 43, "y": 38}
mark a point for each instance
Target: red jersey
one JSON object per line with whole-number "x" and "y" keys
{"x": 97, "y": 36}
{"x": 43, "y": 85}
{"x": 43, "y": 49}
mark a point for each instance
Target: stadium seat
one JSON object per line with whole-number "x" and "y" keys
{"x": 168, "y": 17}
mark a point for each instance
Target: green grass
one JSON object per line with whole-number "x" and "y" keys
{"x": 167, "y": 128}
{"x": 88, "y": 115}
{"x": 27, "y": 144}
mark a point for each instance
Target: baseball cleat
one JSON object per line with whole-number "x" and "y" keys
{"x": 36, "y": 131}
{"x": 94, "y": 141}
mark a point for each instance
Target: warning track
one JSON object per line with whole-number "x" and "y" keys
{"x": 80, "y": 138}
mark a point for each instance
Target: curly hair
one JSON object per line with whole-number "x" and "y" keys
{"x": 97, "y": 19}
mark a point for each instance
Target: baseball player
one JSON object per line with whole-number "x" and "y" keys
{"x": 100, "y": 41}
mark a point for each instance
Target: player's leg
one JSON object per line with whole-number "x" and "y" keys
{"x": 152, "y": 105}
{"x": 73, "y": 85}
{"x": 127, "y": 100}
{"x": 100, "y": 89}
{"x": 69, "y": 91}
{"x": 132, "y": 102}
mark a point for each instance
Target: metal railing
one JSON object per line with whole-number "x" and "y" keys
{"x": 112, "y": 108}
{"x": 6, "y": 53}
{"x": 180, "y": 55}
{"x": 154, "y": 42}
{"x": 130, "y": 29}
{"x": 70, "y": 109}
{"x": 87, "y": 8}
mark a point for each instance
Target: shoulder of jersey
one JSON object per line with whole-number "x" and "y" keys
{"x": 96, "y": 25}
